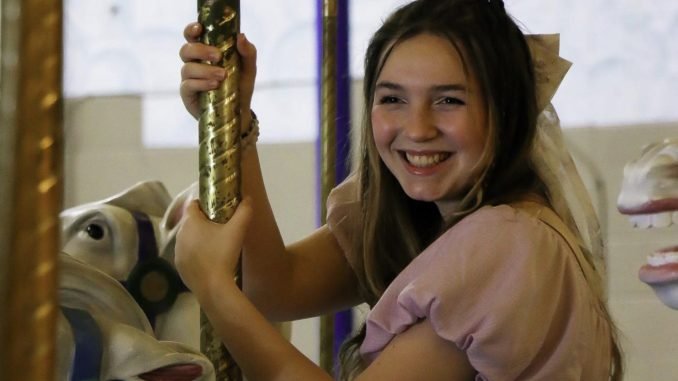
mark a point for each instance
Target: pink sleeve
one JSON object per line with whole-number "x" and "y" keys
{"x": 502, "y": 287}
{"x": 343, "y": 216}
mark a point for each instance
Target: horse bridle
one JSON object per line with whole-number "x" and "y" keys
{"x": 88, "y": 344}
{"x": 153, "y": 282}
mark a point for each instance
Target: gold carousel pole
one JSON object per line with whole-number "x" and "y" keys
{"x": 328, "y": 143}
{"x": 31, "y": 119}
{"x": 219, "y": 157}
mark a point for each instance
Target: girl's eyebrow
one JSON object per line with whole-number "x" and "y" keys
{"x": 388, "y": 85}
{"x": 437, "y": 88}
{"x": 451, "y": 87}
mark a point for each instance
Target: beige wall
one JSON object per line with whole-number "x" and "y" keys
{"x": 650, "y": 335}
{"x": 104, "y": 155}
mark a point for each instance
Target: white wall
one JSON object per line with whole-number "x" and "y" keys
{"x": 104, "y": 155}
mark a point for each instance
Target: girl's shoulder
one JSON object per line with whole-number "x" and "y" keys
{"x": 494, "y": 238}
{"x": 522, "y": 218}
{"x": 510, "y": 211}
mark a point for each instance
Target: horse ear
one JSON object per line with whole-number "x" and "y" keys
{"x": 175, "y": 211}
{"x": 170, "y": 221}
{"x": 150, "y": 197}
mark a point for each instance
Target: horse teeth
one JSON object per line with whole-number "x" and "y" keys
{"x": 660, "y": 259}
{"x": 656, "y": 220}
{"x": 641, "y": 221}
{"x": 661, "y": 220}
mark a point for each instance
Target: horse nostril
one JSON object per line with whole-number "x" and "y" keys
{"x": 95, "y": 231}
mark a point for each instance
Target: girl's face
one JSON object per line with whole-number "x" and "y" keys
{"x": 429, "y": 121}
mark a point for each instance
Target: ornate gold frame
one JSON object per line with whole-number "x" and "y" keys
{"x": 31, "y": 188}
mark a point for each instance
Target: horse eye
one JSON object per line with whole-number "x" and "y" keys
{"x": 95, "y": 231}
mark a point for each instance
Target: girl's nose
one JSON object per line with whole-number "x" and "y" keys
{"x": 420, "y": 126}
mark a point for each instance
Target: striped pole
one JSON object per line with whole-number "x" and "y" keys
{"x": 219, "y": 155}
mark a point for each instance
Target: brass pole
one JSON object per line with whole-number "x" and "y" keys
{"x": 328, "y": 143}
{"x": 219, "y": 155}
{"x": 31, "y": 116}
{"x": 220, "y": 118}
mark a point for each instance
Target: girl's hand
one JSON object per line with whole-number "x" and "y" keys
{"x": 207, "y": 253}
{"x": 198, "y": 76}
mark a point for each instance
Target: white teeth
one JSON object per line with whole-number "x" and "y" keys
{"x": 661, "y": 220}
{"x": 425, "y": 160}
{"x": 660, "y": 259}
{"x": 641, "y": 221}
{"x": 657, "y": 220}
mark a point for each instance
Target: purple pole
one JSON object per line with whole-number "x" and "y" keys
{"x": 343, "y": 92}
{"x": 343, "y": 321}
{"x": 318, "y": 145}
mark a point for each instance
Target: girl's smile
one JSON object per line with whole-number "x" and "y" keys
{"x": 423, "y": 163}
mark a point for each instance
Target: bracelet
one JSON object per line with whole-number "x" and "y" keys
{"x": 250, "y": 137}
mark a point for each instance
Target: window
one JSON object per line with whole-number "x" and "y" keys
{"x": 624, "y": 66}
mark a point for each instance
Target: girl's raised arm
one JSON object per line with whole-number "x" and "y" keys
{"x": 307, "y": 278}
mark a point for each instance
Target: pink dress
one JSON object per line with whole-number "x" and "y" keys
{"x": 504, "y": 285}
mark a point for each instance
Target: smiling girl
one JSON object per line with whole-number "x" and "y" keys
{"x": 454, "y": 228}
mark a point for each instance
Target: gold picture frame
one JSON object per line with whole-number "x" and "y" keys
{"x": 31, "y": 190}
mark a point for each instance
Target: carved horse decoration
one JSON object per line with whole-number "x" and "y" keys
{"x": 130, "y": 236}
{"x": 649, "y": 196}
{"x": 102, "y": 334}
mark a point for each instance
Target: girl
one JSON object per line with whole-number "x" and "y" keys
{"x": 455, "y": 227}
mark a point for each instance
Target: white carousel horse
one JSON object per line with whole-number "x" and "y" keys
{"x": 649, "y": 196}
{"x": 102, "y": 334}
{"x": 130, "y": 236}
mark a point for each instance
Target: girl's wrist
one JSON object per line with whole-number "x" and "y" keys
{"x": 214, "y": 291}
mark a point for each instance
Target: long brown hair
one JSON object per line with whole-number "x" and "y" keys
{"x": 397, "y": 228}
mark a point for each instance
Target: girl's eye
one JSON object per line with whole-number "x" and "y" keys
{"x": 388, "y": 99}
{"x": 451, "y": 101}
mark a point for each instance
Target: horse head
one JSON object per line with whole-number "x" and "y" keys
{"x": 649, "y": 196}
{"x": 130, "y": 236}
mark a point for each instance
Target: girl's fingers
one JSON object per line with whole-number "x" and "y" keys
{"x": 196, "y": 51}
{"x": 190, "y": 90}
{"x": 192, "y": 32}
{"x": 191, "y": 87}
{"x": 194, "y": 70}
{"x": 197, "y": 76}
